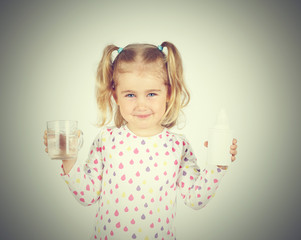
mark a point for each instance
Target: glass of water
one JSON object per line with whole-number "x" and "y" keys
{"x": 63, "y": 140}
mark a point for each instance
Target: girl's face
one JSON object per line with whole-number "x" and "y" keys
{"x": 141, "y": 95}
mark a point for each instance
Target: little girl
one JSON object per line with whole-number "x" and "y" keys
{"x": 135, "y": 170}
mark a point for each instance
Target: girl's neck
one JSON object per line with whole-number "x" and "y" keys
{"x": 145, "y": 132}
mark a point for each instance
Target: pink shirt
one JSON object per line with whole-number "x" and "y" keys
{"x": 135, "y": 180}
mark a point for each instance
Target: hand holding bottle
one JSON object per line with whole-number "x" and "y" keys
{"x": 233, "y": 152}
{"x": 220, "y": 138}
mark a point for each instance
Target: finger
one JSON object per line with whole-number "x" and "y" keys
{"x": 234, "y": 141}
{"x": 233, "y": 158}
{"x": 46, "y": 150}
{"x": 233, "y": 152}
{"x": 233, "y": 147}
{"x": 206, "y": 143}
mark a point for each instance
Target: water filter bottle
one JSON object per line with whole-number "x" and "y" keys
{"x": 219, "y": 141}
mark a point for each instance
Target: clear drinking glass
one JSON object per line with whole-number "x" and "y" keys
{"x": 63, "y": 140}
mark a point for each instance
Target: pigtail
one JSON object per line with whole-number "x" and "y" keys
{"x": 104, "y": 86}
{"x": 178, "y": 93}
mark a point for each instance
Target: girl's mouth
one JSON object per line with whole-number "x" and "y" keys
{"x": 142, "y": 115}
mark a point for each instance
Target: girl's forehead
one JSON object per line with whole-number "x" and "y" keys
{"x": 147, "y": 77}
{"x": 139, "y": 66}
{"x": 154, "y": 69}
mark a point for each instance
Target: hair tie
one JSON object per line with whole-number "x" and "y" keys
{"x": 120, "y": 50}
{"x": 160, "y": 48}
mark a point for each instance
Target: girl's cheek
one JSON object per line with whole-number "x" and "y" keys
{"x": 129, "y": 104}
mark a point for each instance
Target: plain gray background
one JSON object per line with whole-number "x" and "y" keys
{"x": 241, "y": 55}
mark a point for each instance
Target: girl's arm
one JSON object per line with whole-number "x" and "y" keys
{"x": 68, "y": 165}
{"x": 197, "y": 186}
{"x": 85, "y": 179}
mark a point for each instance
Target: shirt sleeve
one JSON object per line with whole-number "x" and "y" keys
{"x": 85, "y": 178}
{"x": 197, "y": 186}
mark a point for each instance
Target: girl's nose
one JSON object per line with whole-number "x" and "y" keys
{"x": 141, "y": 102}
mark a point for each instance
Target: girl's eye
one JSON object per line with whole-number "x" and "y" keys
{"x": 130, "y": 95}
{"x": 152, "y": 94}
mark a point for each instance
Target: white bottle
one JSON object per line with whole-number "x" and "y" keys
{"x": 219, "y": 141}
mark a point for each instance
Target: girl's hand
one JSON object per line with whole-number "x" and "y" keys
{"x": 233, "y": 151}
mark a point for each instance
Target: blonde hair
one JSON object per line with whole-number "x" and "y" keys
{"x": 107, "y": 75}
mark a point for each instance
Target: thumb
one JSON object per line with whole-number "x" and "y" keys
{"x": 206, "y": 144}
